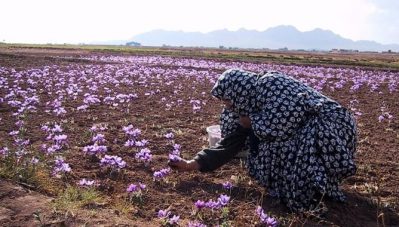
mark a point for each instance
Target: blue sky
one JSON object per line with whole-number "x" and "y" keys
{"x": 83, "y": 21}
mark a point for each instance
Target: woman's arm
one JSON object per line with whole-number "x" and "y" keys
{"x": 212, "y": 158}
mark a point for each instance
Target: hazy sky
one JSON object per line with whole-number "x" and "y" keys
{"x": 77, "y": 21}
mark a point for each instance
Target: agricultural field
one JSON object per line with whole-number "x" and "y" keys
{"x": 86, "y": 135}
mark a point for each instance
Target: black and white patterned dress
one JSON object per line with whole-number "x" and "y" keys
{"x": 305, "y": 141}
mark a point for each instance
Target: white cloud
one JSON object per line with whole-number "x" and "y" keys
{"x": 384, "y": 24}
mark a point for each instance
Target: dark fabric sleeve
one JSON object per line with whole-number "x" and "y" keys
{"x": 212, "y": 158}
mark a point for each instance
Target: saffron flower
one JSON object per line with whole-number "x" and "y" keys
{"x": 163, "y": 213}
{"x": 158, "y": 175}
{"x": 141, "y": 143}
{"x": 131, "y": 132}
{"x": 227, "y": 185}
{"x": 135, "y": 192}
{"x": 169, "y": 135}
{"x": 95, "y": 149}
{"x": 82, "y": 107}
{"x": 176, "y": 149}
{"x": 60, "y": 139}
{"x": 53, "y": 148}
{"x": 132, "y": 188}
{"x": 265, "y": 219}
{"x": 98, "y": 127}
{"x": 60, "y": 167}
{"x": 57, "y": 128}
{"x": 45, "y": 128}
{"x": 4, "y": 151}
{"x": 83, "y": 182}
{"x": 174, "y": 220}
{"x": 200, "y": 204}
{"x": 34, "y": 160}
{"x": 144, "y": 155}
{"x": 130, "y": 143}
{"x": 13, "y": 133}
{"x": 195, "y": 224}
{"x": 142, "y": 186}
{"x": 166, "y": 219}
{"x": 223, "y": 200}
{"x": 174, "y": 158}
{"x": 113, "y": 162}
{"x": 99, "y": 138}
{"x": 212, "y": 204}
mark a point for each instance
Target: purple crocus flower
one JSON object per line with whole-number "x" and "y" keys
{"x": 60, "y": 139}
{"x": 163, "y": 213}
{"x": 82, "y": 107}
{"x": 130, "y": 143}
{"x": 19, "y": 123}
{"x": 223, "y": 200}
{"x": 199, "y": 204}
{"x": 100, "y": 138}
{"x": 61, "y": 166}
{"x": 169, "y": 135}
{"x": 265, "y": 219}
{"x": 142, "y": 186}
{"x": 84, "y": 182}
{"x": 134, "y": 133}
{"x": 53, "y": 148}
{"x": 141, "y": 143}
{"x": 174, "y": 220}
{"x": 56, "y": 129}
{"x": 113, "y": 161}
{"x": 176, "y": 147}
{"x": 13, "y": 133}
{"x": 132, "y": 188}
{"x": 195, "y": 224}
{"x": 212, "y": 204}
{"x": 59, "y": 111}
{"x": 271, "y": 222}
{"x": 196, "y": 108}
{"x": 96, "y": 128}
{"x": 95, "y": 149}
{"x": 227, "y": 185}
{"x": 144, "y": 155}
{"x": 131, "y": 132}
{"x": 4, "y": 151}
{"x": 34, "y": 160}
{"x": 45, "y": 128}
{"x": 21, "y": 142}
{"x": 127, "y": 128}
{"x": 161, "y": 173}
{"x": 174, "y": 158}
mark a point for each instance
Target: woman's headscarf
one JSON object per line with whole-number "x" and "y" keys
{"x": 238, "y": 86}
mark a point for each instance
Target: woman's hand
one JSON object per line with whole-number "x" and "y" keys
{"x": 184, "y": 165}
{"x": 245, "y": 122}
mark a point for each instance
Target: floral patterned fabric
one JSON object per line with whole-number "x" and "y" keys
{"x": 305, "y": 140}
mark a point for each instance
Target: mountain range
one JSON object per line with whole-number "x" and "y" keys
{"x": 284, "y": 36}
